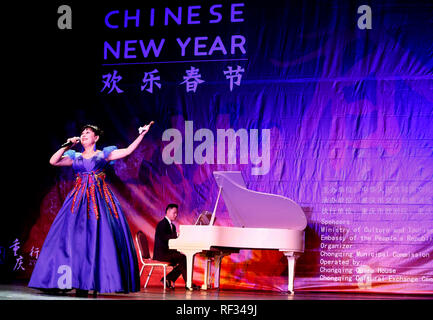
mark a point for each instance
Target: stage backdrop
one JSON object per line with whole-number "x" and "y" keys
{"x": 328, "y": 103}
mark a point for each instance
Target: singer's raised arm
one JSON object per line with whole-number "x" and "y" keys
{"x": 124, "y": 152}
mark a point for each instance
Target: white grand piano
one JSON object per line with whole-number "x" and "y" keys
{"x": 261, "y": 221}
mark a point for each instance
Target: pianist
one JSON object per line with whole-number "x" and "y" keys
{"x": 166, "y": 230}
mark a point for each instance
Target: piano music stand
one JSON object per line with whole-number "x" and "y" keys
{"x": 204, "y": 219}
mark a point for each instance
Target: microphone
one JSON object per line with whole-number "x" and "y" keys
{"x": 68, "y": 144}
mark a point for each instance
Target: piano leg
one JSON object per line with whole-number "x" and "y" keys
{"x": 291, "y": 259}
{"x": 206, "y": 280}
{"x": 217, "y": 263}
{"x": 208, "y": 257}
{"x": 189, "y": 266}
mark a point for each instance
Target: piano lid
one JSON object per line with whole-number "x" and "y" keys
{"x": 252, "y": 209}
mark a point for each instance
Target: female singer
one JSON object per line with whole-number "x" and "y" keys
{"x": 89, "y": 245}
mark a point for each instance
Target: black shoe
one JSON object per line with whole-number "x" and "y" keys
{"x": 168, "y": 283}
{"x": 65, "y": 291}
{"x": 193, "y": 287}
{"x": 81, "y": 293}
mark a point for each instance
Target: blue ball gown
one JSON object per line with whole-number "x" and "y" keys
{"x": 89, "y": 245}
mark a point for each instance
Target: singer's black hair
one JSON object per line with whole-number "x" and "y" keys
{"x": 95, "y": 129}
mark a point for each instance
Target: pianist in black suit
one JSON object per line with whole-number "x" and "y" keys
{"x": 166, "y": 230}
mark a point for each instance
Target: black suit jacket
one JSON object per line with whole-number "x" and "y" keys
{"x": 162, "y": 234}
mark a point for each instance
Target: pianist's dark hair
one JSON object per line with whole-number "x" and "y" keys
{"x": 170, "y": 206}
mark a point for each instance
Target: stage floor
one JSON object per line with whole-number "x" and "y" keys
{"x": 20, "y": 291}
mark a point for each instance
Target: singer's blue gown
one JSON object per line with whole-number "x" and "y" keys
{"x": 89, "y": 245}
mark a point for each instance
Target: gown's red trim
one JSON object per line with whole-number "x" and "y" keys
{"x": 96, "y": 182}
